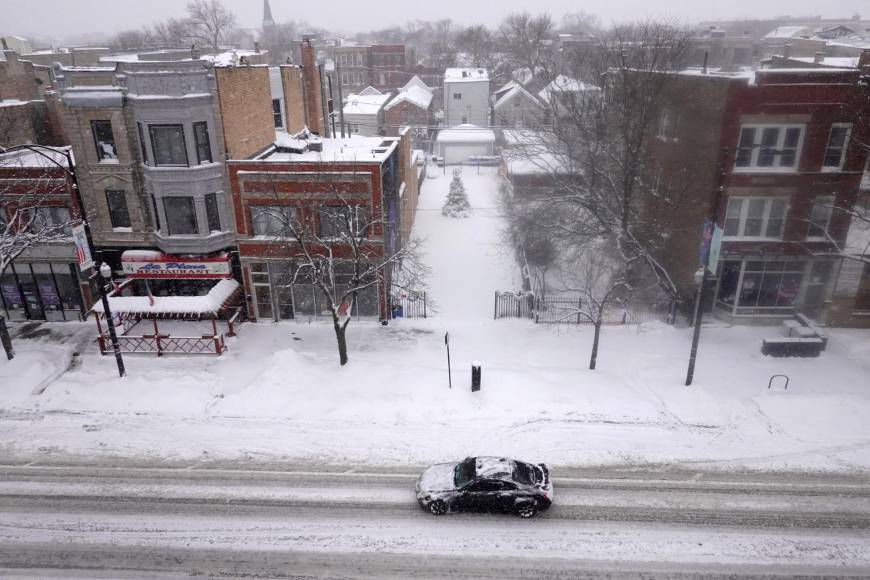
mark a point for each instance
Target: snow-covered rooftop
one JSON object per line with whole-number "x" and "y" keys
{"x": 454, "y": 75}
{"x": 834, "y": 61}
{"x": 789, "y": 32}
{"x": 564, "y": 84}
{"x": 419, "y": 97}
{"x": 210, "y": 304}
{"x": 229, "y": 57}
{"x": 515, "y": 89}
{"x": 416, "y": 81}
{"x": 351, "y": 149}
{"x": 46, "y": 158}
{"x": 365, "y": 104}
{"x": 465, "y": 133}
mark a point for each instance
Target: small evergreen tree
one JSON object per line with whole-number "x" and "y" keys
{"x": 457, "y": 201}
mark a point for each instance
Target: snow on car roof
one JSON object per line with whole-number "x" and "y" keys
{"x": 493, "y": 466}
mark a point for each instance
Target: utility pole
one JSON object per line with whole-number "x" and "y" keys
{"x": 712, "y": 218}
{"x": 340, "y": 97}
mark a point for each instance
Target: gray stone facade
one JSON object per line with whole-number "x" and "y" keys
{"x": 168, "y": 144}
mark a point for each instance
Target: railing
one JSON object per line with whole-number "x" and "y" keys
{"x": 161, "y": 344}
{"x": 409, "y": 306}
{"x": 513, "y": 305}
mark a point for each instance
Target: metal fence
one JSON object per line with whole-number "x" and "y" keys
{"x": 513, "y": 305}
{"x": 568, "y": 308}
{"x": 409, "y": 306}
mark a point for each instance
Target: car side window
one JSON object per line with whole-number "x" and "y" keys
{"x": 488, "y": 485}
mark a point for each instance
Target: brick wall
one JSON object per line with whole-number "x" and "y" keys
{"x": 17, "y": 79}
{"x": 293, "y": 85}
{"x": 408, "y": 176}
{"x": 313, "y": 89}
{"x": 245, "y": 101}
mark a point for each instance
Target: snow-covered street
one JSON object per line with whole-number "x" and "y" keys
{"x": 279, "y": 394}
{"x": 192, "y": 521}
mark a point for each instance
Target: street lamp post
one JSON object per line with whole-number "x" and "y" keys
{"x": 701, "y": 274}
{"x": 70, "y": 170}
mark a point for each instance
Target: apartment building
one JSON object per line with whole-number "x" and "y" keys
{"x": 466, "y": 97}
{"x": 783, "y": 148}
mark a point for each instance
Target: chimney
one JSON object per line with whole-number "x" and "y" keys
{"x": 786, "y": 51}
{"x": 257, "y": 46}
{"x": 864, "y": 61}
{"x": 819, "y": 58}
{"x": 312, "y": 87}
{"x": 194, "y": 52}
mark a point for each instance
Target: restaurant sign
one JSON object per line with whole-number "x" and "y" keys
{"x": 165, "y": 266}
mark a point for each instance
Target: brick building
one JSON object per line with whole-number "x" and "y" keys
{"x": 29, "y": 111}
{"x": 412, "y": 106}
{"x": 311, "y": 179}
{"x": 44, "y": 282}
{"x": 787, "y": 143}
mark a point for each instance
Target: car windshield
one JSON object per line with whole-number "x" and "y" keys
{"x": 463, "y": 473}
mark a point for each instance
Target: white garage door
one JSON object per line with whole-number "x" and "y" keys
{"x": 459, "y": 152}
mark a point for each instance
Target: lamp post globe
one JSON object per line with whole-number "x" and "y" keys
{"x": 105, "y": 271}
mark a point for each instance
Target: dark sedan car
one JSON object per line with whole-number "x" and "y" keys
{"x": 486, "y": 484}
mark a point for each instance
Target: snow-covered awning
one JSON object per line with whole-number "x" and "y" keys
{"x": 221, "y": 296}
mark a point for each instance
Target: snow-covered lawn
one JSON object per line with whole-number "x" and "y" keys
{"x": 279, "y": 394}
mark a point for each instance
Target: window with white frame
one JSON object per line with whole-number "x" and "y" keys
{"x": 51, "y": 217}
{"x": 820, "y": 217}
{"x": 769, "y": 147}
{"x": 835, "y": 152}
{"x": 755, "y": 217}
{"x": 457, "y": 96}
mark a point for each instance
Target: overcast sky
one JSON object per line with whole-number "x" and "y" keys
{"x": 61, "y": 19}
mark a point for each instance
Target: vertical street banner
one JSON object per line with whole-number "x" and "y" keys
{"x": 715, "y": 246}
{"x": 83, "y": 252}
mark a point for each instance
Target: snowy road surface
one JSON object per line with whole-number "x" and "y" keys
{"x": 114, "y": 522}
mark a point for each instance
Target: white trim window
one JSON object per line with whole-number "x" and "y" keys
{"x": 769, "y": 148}
{"x": 820, "y": 218}
{"x": 838, "y": 142}
{"x": 755, "y": 217}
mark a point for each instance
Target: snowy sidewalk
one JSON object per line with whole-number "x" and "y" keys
{"x": 468, "y": 256}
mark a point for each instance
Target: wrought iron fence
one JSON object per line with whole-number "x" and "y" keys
{"x": 411, "y": 305}
{"x": 513, "y": 305}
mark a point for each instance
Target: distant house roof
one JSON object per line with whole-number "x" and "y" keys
{"x": 370, "y": 90}
{"x": 789, "y": 32}
{"x": 511, "y": 91}
{"x": 563, "y": 84}
{"x": 454, "y": 75}
{"x": 365, "y": 104}
{"x": 416, "y": 82}
{"x": 417, "y": 96}
{"x": 466, "y": 133}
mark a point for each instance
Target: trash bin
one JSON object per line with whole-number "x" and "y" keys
{"x": 475, "y": 376}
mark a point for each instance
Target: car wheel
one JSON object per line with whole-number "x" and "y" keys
{"x": 526, "y": 509}
{"x": 438, "y": 508}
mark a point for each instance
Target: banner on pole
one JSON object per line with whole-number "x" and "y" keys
{"x": 83, "y": 251}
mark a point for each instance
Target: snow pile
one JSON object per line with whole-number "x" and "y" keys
{"x": 456, "y": 204}
{"x": 211, "y": 303}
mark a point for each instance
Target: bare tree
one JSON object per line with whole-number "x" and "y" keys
{"x": 479, "y": 44}
{"x": 527, "y": 40}
{"x": 33, "y": 211}
{"x": 340, "y": 259}
{"x": 209, "y": 21}
{"x": 604, "y": 118}
{"x": 172, "y": 32}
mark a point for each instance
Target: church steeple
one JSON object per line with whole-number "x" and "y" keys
{"x": 267, "y": 14}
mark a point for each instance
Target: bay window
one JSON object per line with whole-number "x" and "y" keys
{"x": 212, "y": 212}
{"x": 769, "y": 147}
{"x": 203, "y": 145}
{"x": 168, "y": 145}
{"x": 180, "y": 216}
{"x": 755, "y": 217}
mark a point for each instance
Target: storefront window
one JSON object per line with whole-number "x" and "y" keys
{"x": 759, "y": 287}
{"x": 862, "y": 299}
{"x": 67, "y": 286}
{"x": 11, "y": 296}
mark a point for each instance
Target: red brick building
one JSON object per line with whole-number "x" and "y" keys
{"x": 44, "y": 282}
{"x": 784, "y": 145}
{"x": 307, "y": 181}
